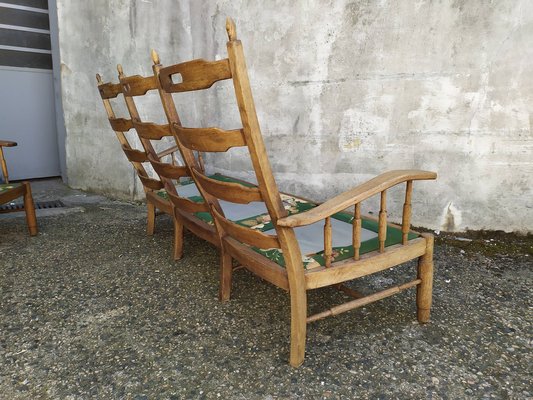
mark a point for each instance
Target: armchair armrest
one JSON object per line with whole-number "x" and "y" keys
{"x": 356, "y": 195}
{"x": 7, "y": 143}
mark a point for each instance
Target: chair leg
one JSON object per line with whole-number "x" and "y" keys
{"x": 298, "y": 325}
{"x": 178, "y": 239}
{"x": 226, "y": 271}
{"x": 29, "y": 208}
{"x": 150, "y": 220}
{"x": 425, "y": 274}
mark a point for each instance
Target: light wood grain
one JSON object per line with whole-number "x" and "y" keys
{"x": 356, "y": 231}
{"x": 354, "y": 196}
{"x": 350, "y": 305}
{"x": 194, "y": 75}
{"x": 168, "y": 170}
{"x": 382, "y": 224}
{"x": 234, "y": 192}
{"x": 137, "y": 85}
{"x": 209, "y": 139}
{"x": 406, "y": 216}
{"x": 135, "y": 155}
{"x": 246, "y": 235}
{"x": 120, "y": 124}
{"x": 328, "y": 248}
{"x": 152, "y": 131}
{"x": 425, "y": 274}
{"x": 369, "y": 263}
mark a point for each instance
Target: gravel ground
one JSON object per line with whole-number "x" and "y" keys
{"x": 93, "y": 308}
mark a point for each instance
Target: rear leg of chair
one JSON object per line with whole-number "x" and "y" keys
{"x": 150, "y": 219}
{"x": 226, "y": 272}
{"x": 178, "y": 239}
{"x": 29, "y": 207}
{"x": 425, "y": 274}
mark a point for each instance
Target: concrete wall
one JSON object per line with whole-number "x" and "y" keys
{"x": 94, "y": 36}
{"x": 344, "y": 91}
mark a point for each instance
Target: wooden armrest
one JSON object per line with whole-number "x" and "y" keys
{"x": 7, "y": 143}
{"x": 354, "y": 196}
{"x": 168, "y": 151}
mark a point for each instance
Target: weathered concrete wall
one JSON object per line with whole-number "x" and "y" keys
{"x": 94, "y": 36}
{"x": 344, "y": 90}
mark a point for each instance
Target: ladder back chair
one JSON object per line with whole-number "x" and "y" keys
{"x": 12, "y": 191}
{"x": 281, "y": 246}
{"x": 186, "y": 201}
{"x": 153, "y": 188}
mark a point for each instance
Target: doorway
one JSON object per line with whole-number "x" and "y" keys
{"x": 27, "y": 98}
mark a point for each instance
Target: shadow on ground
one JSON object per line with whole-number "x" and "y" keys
{"x": 93, "y": 308}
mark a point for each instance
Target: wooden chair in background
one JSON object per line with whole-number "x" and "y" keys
{"x": 287, "y": 245}
{"x": 12, "y": 191}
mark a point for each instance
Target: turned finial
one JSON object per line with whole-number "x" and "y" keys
{"x": 120, "y": 70}
{"x": 98, "y": 78}
{"x": 231, "y": 29}
{"x": 155, "y": 57}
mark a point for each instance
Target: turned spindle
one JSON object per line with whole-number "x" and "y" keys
{"x": 328, "y": 251}
{"x": 356, "y": 231}
{"x": 406, "y": 218}
{"x": 382, "y": 230}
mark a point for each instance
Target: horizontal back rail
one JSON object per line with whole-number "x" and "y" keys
{"x": 137, "y": 85}
{"x": 120, "y": 124}
{"x": 151, "y": 131}
{"x": 195, "y": 75}
{"x": 187, "y": 205}
{"x": 168, "y": 170}
{"x": 234, "y": 192}
{"x": 209, "y": 139}
{"x": 151, "y": 183}
{"x": 246, "y": 235}
{"x": 135, "y": 155}
{"x": 109, "y": 90}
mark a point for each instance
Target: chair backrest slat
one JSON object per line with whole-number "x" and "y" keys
{"x": 210, "y": 139}
{"x": 168, "y": 170}
{"x": 151, "y": 183}
{"x": 121, "y": 124}
{"x": 229, "y": 191}
{"x": 137, "y": 85}
{"x": 186, "y": 205}
{"x": 109, "y": 90}
{"x": 151, "y": 131}
{"x": 135, "y": 155}
{"x": 246, "y": 235}
{"x": 195, "y": 75}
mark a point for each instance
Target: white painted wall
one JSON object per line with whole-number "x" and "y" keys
{"x": 344, "y": 91}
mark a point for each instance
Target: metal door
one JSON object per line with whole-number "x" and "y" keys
{"x": 27, "y": 109}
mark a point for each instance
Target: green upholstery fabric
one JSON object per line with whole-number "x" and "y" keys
{"x": 295, "y": 205}
{"x": 4, "y": 187}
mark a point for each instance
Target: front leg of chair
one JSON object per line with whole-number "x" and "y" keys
{"x": 425, "y": 274}
{"x": 226, "y": 271}
{"x": 178, "y": 239}
{"x": 150, "y": 219}
{"x": 29, "y": 208}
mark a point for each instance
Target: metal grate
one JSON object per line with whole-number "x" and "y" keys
{"x": 39, "y": 205}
